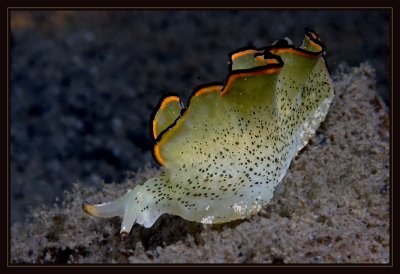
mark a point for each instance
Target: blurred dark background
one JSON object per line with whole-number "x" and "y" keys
{"x": 84, "y": 83}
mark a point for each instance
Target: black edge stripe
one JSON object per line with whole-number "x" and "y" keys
{"x": 183, "y": 110}
{"x": 153, "y": 116}
{"x": 237, "y": 51}
{"x": 157, "y": 108}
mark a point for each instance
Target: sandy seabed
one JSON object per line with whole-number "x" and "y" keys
{"x": 333, "y": 206}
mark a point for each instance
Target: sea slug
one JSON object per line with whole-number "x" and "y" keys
{"x": 225, "y": 152}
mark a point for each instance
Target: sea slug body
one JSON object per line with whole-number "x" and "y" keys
{"x": 225, "y": 152}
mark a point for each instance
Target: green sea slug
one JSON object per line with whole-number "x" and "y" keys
{"x": 225, "y": 152}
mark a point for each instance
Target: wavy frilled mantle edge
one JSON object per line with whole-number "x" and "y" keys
{"x": 271, "y": 63}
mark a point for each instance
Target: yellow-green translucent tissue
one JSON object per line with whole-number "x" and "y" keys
{"x": 224, "y": 154}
